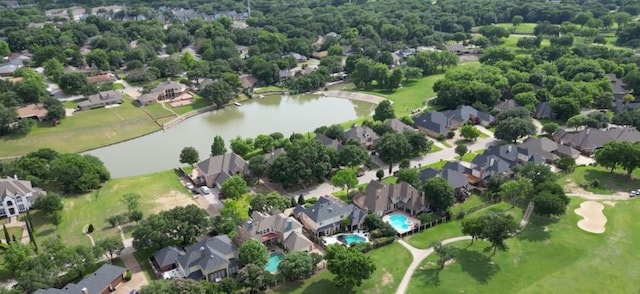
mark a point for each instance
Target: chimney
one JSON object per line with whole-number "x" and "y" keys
{"x": 289, "y": 224}
{"x": 202, "y": 248}
{"x": 492, "y": 161}
{"x": 249, "y": 225}
{"x": 509, "y": 148}
{"x": 85, "y": 291}
{"x": 15, "y": 177}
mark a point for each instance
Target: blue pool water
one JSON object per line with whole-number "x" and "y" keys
{"x": 399, "y": 222}
{"x": 274, "y": 260}
{"x": 350, "y": 239}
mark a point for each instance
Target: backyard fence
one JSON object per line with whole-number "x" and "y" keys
{"x": 425, "y": 226}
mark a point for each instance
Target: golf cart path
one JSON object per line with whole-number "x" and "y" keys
{"x": 418, "y": 256}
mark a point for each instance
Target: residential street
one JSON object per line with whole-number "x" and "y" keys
{"x": 447, "y": 153}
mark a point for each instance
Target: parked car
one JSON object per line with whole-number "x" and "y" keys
{"x": 189, "y": 186}
{"x": 205, "y": 190}
{"x": 633, "y": 194}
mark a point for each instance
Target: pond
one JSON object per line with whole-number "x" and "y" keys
{"x": 285, "y": 114}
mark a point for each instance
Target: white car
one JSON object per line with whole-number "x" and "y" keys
{"x": 205, "y": 190}
{"x": 189, "y": 186}
{"x": 633, "y": 194}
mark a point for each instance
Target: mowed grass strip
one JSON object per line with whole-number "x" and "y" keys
{"x": 391, "y": 263}
{"x": 82, "y": 131}
{"x": 549, "y": 256}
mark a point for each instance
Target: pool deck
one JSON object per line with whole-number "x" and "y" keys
{"x": 414, "y": 222}
{"x": 329, "y": 240}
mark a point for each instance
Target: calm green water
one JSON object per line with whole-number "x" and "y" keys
{"x": 286, "y": 114}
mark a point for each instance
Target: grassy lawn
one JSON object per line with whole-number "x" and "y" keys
{"x": 468, "y": 157}
{"x": 471, "y": 202}
{"x": 84, "y": 130}
{"x": 451, "y": 229}
{"x": 524, "y": 28}
{"x": 390, "y": 180}
{"x": 157, "y": 111}
{"x": 14, "y": 231}
{"x": 268, "y": 89}
{"x": 197, "y": 104}
{"x": 159, "y": 191}
{"x": 410, "y": 96}
{"x": 610, "y": 183}
{"x": 437, "y": 165}
{"x": 434, "y": 149}
{"x": 549, "y": 256}
{"x": 391, "y": 263}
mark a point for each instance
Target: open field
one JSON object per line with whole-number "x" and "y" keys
{"x": 84, "y": 130}
{"x": 609, "y": 183}
{"x": 159, "y": 191}
{"x": 391, "y": 263}
{"x": 549, "y": 256}
{"x": 525, "y": 28}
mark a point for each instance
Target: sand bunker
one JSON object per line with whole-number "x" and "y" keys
{"x": 593, "y": 219}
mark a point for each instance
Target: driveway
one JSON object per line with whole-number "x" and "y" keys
{"x": 139, "y": 278}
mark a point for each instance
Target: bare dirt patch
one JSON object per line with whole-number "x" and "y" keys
{"x": 387, "y": 278}
{"x": 352, "y": 96}
{"x": 170, "y": 200}
{"x": 449, "y": 262}
{"x": 593, "y": 220}
{"x": 613, "y": 204}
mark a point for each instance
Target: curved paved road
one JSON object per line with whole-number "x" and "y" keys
{"x": 418, "y": 256}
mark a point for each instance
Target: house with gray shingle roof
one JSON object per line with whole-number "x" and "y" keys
{"x": 398, "y": 126}
{"x": 326, "y": 215}
{"x": 326, "y": 141}
{"x": 434, "y": 123}
{"x": 543, "y": 110}
{"x": 364, "y": 135}
{"x": 469, "y": 114}
{"x": 277, "y": 228}
{"x": 168, "y": 90}
{"x": 485, "y": 166}
{"x": 453, "y": 173}
{"x": 544, "y": 148}
{"x": 213, "y": 259}
{"x": 17, "y": 196}
{"x": 215, "y": 170}
{"x": 101, "y": 99}
{"x": 589, "y": 139}
{"x": 380, "y": 198}
{"x": 103, "y": 280}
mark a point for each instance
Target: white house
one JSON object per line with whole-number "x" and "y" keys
{"x": 17, "y": 196}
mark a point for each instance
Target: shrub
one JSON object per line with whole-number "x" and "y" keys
{"x": 362, "y": 247}
{"x": 4, "y": 246}
{"x": 128, "y": 275}
{"x": 427, "y": 217}
{"x": 460, "y": 215}
{"x": 90, "y": 229}
{"x": 311, "y": 200}
{"x": 595, "y": 183}
{"x": 451, "y": 134}
{"x": 383, "y": 241}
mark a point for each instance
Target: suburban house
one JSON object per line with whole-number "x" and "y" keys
{"x": 469, "y": 114}
{"x": 104, "y": 9}
{"x": 543, "y": 110}
{"x": 506, "y": 105}
{"x": 212, "y": 259}
{"x": 167, "y": 91}
{"x": 277, "y": 228}
{"x": 460, "y": 49}
{"x": 274, "y": 154}
{"x": 364, "y": 135}
{"x": 433, "y": 123}
{"x": 13, "y": 62}
{"x": 398, "y": 126}
{"x": 589, "y": 139}
{"x": 454, "y": 174}
{"x": 328, "y": 215}
{"x": 17, "y": 196}
{"x": 298, "y": 57}
{"x": 285, "y": 74}
{"x": 380, "y": 198}
{"x": 485, "y": 166}
{"x": 104, "y": 280}
{"x": 326, "y": 141}
{"x": 215, "y": 170}
{"x": 32, "y": 111}
{"x": 101, "y": 99}
{"x": 547, "y": 150}
{"x": 619, "y": 89}
{"x": 75, "y": 13}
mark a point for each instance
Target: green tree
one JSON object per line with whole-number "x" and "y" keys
{"x": 218, "y": 93}
{"x": 352, "y": 156}
{"x": 55, "y": 110}
{"x": 189, "y": 155}
{"x": 234, "y": 187}
{"x": 301, "y": 200}
{"x": 439, "y": 193}
{"x": 550, "y": 127}
{"x": 395, "y": 79}
{"x": 7, "y": 237}
{"x": 384, "y": 111}
{"x": 132, "y": 202}
{"x": 469, "y": 132}
{"x": 536, "y": 172}
{"x": 498, "y": 227}
{"x": 515, "y": 190}
{"x": 218, "y": 146}
{"x": 258, "y": 166}
{"x": 159, "y": 230}
{"x": 98, "y": 58}
{"x": 412, "y": 73}
{"x": 566, "y": 164}
{"x": 253, "y": 252}
{"x": 49, "y": 203}
{"x": 461, "y": 150}
{"x": 393, "y": 147}
{"x": 410, "y": 176}
{"x": 418, "y": 141}
{"x": 493, "y": 55}
{"x": 111, "y": 246}
{"x": 265, "y": 202}
{"x": 473, "y": 227}
{"x": 350, "y": 267}
{"x": 296, "y": 266}
{"x": 511, "y": 129}
{"x": 380, "y": 174}
{"x": 72, "y": 83}
{"x": 174, "y": 286}
{"x": 241, "y": 147}
{"x": 345, "y": 179}
{"x": 53, "y": 69}
{"x": 17, "y": 255}
{"x": 252, "y": 276}
{"x": 264, "y": 142}
{"x": 516, "y": 20}
{"x": 4, "y": 49}
{"x": 444, "y": 254}
{"x": 78, "y": 173}
{"x": 548, "y": 204}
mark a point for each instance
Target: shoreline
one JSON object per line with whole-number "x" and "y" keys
{"x": 356, "y": 96}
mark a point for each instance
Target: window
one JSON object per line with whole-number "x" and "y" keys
{"x": 21, "y": 207}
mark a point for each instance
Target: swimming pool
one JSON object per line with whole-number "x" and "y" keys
{"x": 399, "y": 222}
{"x": 351, "y": 238}
{"x": 274, "y": 260}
